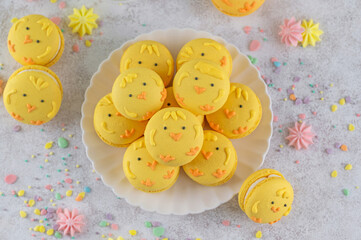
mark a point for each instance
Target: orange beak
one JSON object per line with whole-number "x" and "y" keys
{"x": 30, "y": 108}
{"x": 275, "y": 209}
{"x": 27, "y": 39}
{"x": 143, "y": 96}
{"x": 118, "y": 114}
{"x": 175, "y": 136}
{"x": 199, "y": 90}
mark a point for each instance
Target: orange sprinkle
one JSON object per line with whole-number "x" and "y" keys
{"x": 343, "y": 147}
{"x": 292, "y": 97}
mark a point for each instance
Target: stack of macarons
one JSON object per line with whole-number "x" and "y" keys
{"x": 160, "y": 109}
{"x": 33, "y": 93}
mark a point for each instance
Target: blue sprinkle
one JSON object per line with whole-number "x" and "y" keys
{"x": 87, "y": 189}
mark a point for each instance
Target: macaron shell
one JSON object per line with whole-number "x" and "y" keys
{"x": 35, "y": 39}
{"x": 152, "y": 55}
{"x": 240, "y": 115}
{"x": 144, "y": 173}
{"x": 113, "y": 128}
{"x": 208, "y": 49}
{"x": 138, "y": 93}
{"x": 173, "y": 136}
{"x": 237, "y": 8}
{"x": 216, "y": 163}
{"x": 33, "y": 95}
{"x": 201, "y": 86}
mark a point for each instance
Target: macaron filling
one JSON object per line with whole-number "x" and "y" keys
{"x": 256, "y": 183}
{"x": 41, "y": 71}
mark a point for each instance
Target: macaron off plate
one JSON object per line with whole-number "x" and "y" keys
{"x": 237, "y": 8}
{"x": 33, "y": 95}
{"x": 266, "y": 196}
{"x": 35, "y": 39}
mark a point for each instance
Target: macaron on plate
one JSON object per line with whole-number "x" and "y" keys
{"x": 195, "y": 198}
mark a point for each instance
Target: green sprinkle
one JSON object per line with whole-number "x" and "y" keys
{"x": 47, "y": 175}
{"x": 58, "y": 235}
{"x": 284, "y": 64}
{"x": 103, "y": 224}
{"x": 346, "y": 192}
{"x": 59, "y": 170}
{"x": 63, "y": 158}
{"x": 26, "y": 160}
{"x": 148, "y": 224}
{"x": 62, "y": 142}
{"x": 158, "y": 231}
{"x": 265, "y": 39}
{"x": 41, "y": 166}
{"x": 69, "y": 155}
{"x": 57, "y": 196}
{"x": 280, "y": 130}
{"x": 42, "y": 129}
{"x": 144, "y": 25}
{"x": 313, "y": 91}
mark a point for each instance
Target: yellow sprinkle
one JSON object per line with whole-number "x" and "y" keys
{"x": 103, "y": 236}
{"x": 342, "y": 101}
{"x": 93, "y": 170}
{"x": 66, "y": 170}
{"x": 321, "y": 92}
{"x": 31, "y": 202}
{"x": 14, "y": 20}
{"x": 29, "y": 187}
{"x": 23, "y": 214}
{"x": 37, "y": 211}
{"x": 41, "y": 229}
{"x": 133, "y": 232}
{"x": 334, "y": 108}
{"x": 357, "y": 187}
{"x": 77, "y": 165}
{"x": 351, "y": 127}
{"x": 26, "y": 202}
{"x": 120, "y": 238}
{"x": 63, "y": 129}
{"x": 30, "y": 229}
{"x": 88, "y": 43}
{"x": 51, "y": 153}
{"x": 51, "y": 200}
{"x": 36, "y": 228}
{"x": 32, "y": 156}
{"x": 82, "y": 194}
{"x": 77, "y": 182}
{"x": 41, "y": 221}
{"x": 322, "y": 99}
{"x": 110, "y": 238}
{"x": 21, "y": 193}
{"x": 259, "y": 234}
{"x": 53, "y": 1}
{"x": 348, "y": 167}
{"x": 52, "y": 190}
{"x": 69, "y": 193}
{"x": 46, "y": 160}
{"x": 70, "y": 135}
{"x": 331, "y": 85}
{"x": 285, "y": 99}
{"x": 54, "y": 204}
{"x": 50, "y": 232}
{"x": 49, "y": 145}
{"x": 334, "y": 174}
{"x": 281, "y": 146}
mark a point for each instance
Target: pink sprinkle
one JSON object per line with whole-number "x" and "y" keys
{"x": 279, "y": 89}
{"x": 43, "y": 212}
{"x": 91, "y": 40}
{"x": 66, "y": 174}
{"x": 358, "y": 115}
{"x": 275, "y": 118}
{"x": 247, "y": 29}
{"x": 302, "y": 116}
{"x": 226, "y": 223}
{"x": 11, "y": 178}
{"x": 101, "y": 33}
{"x": 75, "y": 48}
{"x": 255, "y": 45}
{"x": 75, "y": 147}
{"x": 40, "y": 199}
{"x": 274, "y": 59}
{"x": 261, "y": 30}
{"x": 114, "y": 226}
{"x": 56, "y": 20}
{"x": 59, "y": 210}
{"x": 297, "y": 161}
{"x": 309, "y": 75}
{"x": 69, "y": 180}
{"x": 71, "y": 186}
{"x": 62, "y": 5}
{"x": 238, "y": 226}
{"x": 97, "y": 179}
{"x": 314, "y": 113}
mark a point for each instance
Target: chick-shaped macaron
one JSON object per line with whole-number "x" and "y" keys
{"x": 35, "y": 39}
{"x": 33, "y": 95}
{"x": 216, "y": 163}
{"x": 266, "y": 196}
{"x": 149, "y": 54}
{"x": 173, "y": 136}
{"x": 237, "y": 8}
{"x": 112, "y": 127}
{"x": 201, "y": 86}
{"x": 138, "y": 93}
{"x": 240, "y": 115}
{"x": 208, "y": 49}
{"x": 144, "y": 173}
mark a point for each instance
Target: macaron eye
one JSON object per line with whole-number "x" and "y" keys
{"x": 212, "y": 84}
{"x": 24, "y": 95}
{"x": 144, "y": 84}
{"x": 165, "y": 128}
{"x": 139, "y": 159}
{"x": 168, "y": 104}
{"x": 217, "y": 148}
{"x": 240, "y": 106}
{"x": 38, "y": 41}
{"x": 272, "y": 202}
{"x": 285, "y": 205}
{"x": 130, "y": 95}
{"x": 196, "y": 78}
{"x": 42, "y": 100}
{"x": 27, "y": 28}
{"x": 184, "y": 127}
{"x": 140, "y": 62}
{"x": 109, "y": 115}
{"x": 155, "y": 64}
{"x": 202, "y": 54}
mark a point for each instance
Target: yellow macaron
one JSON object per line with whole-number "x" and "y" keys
{"x": 152, "y": 55}
{"x": 266, "y": 196}
{"x": 144, "y": 173}
{"x": 216, "y": 163}
{"x": 113, "y": 128}
{"x": 138, "y": 93}
{"x": 237, "y": 8}
{"x": 201, "y": 86}
{"x": 173, "y": 136}
{"x": 205, "y": 48}
{"x": 240, "y": 115}
{"x": 35, "y": 39}
{"x": 33, "y": 95}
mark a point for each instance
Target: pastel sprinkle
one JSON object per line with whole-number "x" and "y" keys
{"x": 334, "y": 108}
{"x": 342, "y": 101}
{"x": 148, "y": 224}
{"x": 158, "y": 231}
{"x": 255, "y": 45}
{"x": 69, "y": 193}
{"x": 56, "y": 20}
{"x": 62, "y": 142}
{"x": 258, "y": 234}
{"x": 114, "y": 226}
{"x": 87, "y": 189}
{"x": 23, "y": 214}
{"x": 88, "y": 43}
{"x": 57, "y": 196}
{"x": 346, "y": 192}
{"x": 132, "y": 232}
{"x": 11, "y": 179}
{"x": 344, "y": 148}
{"x": 21, "y": 193}
{"x": 247, "y": 29}
{"x": 226, "y": 223}
{"x": 103, "y": 224}
{"x": 351, "y": 127}
{"x": 75, "y": 48}
{"x": 348, "y": 167}
{"x": 17, "y": 128}
{"x": 302, "y": 116}
{"x": 49, "y": 145}
{"x": 334, "y": 174}
{"x": 58, "y": 235}
{"x": 37, "y": 211}
{"x": 31, "y": 202}
{"x": 62, "y": 5}
{"x": 50, "y": 232}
